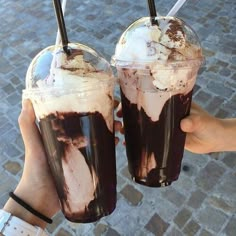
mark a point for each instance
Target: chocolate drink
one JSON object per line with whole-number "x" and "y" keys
{"x": 157, "y": 67}
{"x": 162, "y": 140}
{"x": 73, "y": 95}
{"x": 94, "y": 143}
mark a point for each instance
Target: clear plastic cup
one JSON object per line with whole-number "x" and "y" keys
{"x": 157, "y": 67}
{"x": 72, "y": 96}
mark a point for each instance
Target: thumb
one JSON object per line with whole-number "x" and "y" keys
{"x": 29, "y": 130}
{"x": 187, "y": 124}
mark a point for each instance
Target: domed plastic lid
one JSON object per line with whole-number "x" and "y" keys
{"x": 170, "y": 41}
{"x": 53, "y": 68}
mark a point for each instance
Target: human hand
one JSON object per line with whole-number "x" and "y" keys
{"x": 204, "y": 132}
{"x": 36, "y": 186}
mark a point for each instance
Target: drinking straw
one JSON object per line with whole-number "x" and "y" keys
{"x": 152, "y": 11}
{"x": 63, "y": 6}
{"x": 176, "y": 7}
{"x": 61, "y": 25}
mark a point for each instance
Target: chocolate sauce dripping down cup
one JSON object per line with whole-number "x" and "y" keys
{"x": 157, "y": 67}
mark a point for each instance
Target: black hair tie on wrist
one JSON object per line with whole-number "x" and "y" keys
{"x": 29, "y": 208}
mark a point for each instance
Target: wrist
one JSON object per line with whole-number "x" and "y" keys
{"x": 11, "y": 225}
{"x": 37, "y": 202}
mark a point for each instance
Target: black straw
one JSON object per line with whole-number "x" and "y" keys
{"x": 152, "y": 11}
{"x": 61, "y": 25}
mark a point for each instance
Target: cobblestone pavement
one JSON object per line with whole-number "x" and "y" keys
{"x": 203, "y": 201}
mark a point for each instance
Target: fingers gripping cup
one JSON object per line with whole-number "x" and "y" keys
{"x": 72, "y": 95}
{"x": 157, "y": 67}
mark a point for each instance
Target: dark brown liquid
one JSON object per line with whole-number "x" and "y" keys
{"x": 162, "y": 140}
{"x": 89, "y": 132}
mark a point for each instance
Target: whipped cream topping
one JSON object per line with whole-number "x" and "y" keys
{"x": 170, "y": 50}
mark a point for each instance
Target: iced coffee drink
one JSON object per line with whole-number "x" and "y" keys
{"x": 157, "y": 68}
{"x": 72, "y": 95}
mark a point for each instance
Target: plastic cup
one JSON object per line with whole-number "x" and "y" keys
{"x": 157, "y": 67}
{"x": 72, "y": 96}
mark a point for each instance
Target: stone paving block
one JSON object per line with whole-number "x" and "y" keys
{"x": 222, "y": 204}
{"x": 227, "y": 186}
{"x": 188, "y": 168}
{"x": 120, "y": 183}
{"x": 203, "y": 98}
{"x": 5, "y": 128}
{"x": 225, "y": 72}
{"x": 3, "y": 199}
{"x": 9, "y": 185}
{"x": 230, "y": 229}
{"x": 11, "y": 151}
{"x": 5, "y": 67}
{"x": 165, "y": 209}
{"x": 205, "y": 217}
{"x": 112, "y": 232}
{"x": 123, "y": 208}
{"x": 209, "y": 176}
{"x": 132, "y": 195}
{"x": 8, "y": 89}
{"x": 14, "y": 99}
{"x": 57, "y": 220}
{"x": 205, "y": 233}
{"x": 14, "y": 80}
{"x": 182, "y": 217}
{"x": 174, "y": 232}
{"x": 157, "y": 225}
{"x": 198, "y": 161}
{"x": 214, "y": 104}
{"x": 217, "y": 88}
{"x": 100, "y": 229}
{"x": 3, "y": 120}
{"x": 221, "y": 113}
{"x": 11, "y": 136}
{"x": 196, "y": 89}
{"x": 230, "y": 160}
{"x": 184, "y": 185}
{"x": 79, "y": 229}
{"x": 143, "y": 232}
{"x": 174, "y": 196}
{"x": 12, "y": 167}
{"x": 63, "y": 232}
{"x": 19, "y": 88}
{"x": 196, "y": 199}
{"x": 129, "y": 224}
{"x": 13, "y": 115}
{"x": 191, "y": 228}
{"x": 125, "y": 172}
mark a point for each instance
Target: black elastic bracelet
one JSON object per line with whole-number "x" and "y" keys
{"x": 29, "y": 208}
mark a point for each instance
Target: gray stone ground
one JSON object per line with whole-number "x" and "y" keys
{"x": 203, "y": 201}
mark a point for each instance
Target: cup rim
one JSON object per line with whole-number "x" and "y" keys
{"x": 145, "y": 64}
{"x": 37, "y": 91}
